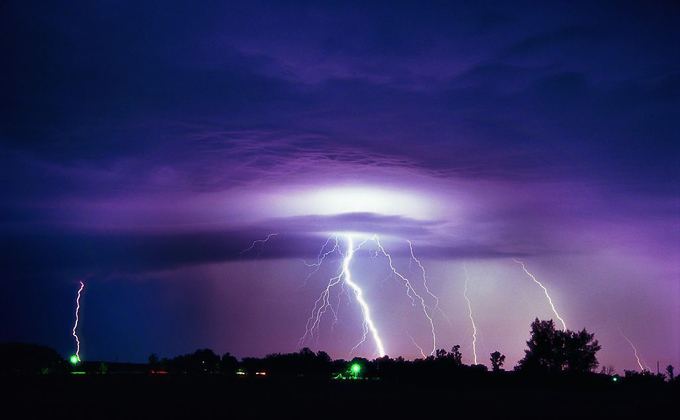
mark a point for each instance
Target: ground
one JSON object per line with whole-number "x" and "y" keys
{"x": 138, "y": 396}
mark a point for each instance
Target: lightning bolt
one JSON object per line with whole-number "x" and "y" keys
{"x": 564, "y": 325}
{"x": 640, "y": 362}
{"x": 368, "y": 322}
{"x": 75, "y": 324}
{"x": 472, "y": 320}
{"x": 427, "y": 289}
{"x": 323, "y": 303}
{"x": 410, "y": 292}
{"x": 344, "y": 277}
{"x": 420, "y": 349}
{"x": 322, "y": 256}
{"x": 258, "y": 241}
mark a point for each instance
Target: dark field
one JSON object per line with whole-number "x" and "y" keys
{"x": 140, "y": 396}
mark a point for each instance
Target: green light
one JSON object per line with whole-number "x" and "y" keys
{"x": 615, "y": 379}
{"x": 74, "y": 360}
{"x": 355, "y": 368}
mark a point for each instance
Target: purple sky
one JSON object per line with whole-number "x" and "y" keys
{"x": 145, "y": 146}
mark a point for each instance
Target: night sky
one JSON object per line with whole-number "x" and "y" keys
{"x": 145, "y": 146}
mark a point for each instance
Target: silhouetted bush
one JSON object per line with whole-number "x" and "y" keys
{"x": 30, "y": 359}
{"x": 497, "y": 360}
{"x": 553, "y": 351}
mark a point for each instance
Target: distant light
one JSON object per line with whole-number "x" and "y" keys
{"x": 74, "y": 360}
{"x": 241, "y": 372}
{"x": 355, "y": 368}
{"x": 78, "y": 373}
{"x": 261, "y": 373}
{"x": 615, "y": 378}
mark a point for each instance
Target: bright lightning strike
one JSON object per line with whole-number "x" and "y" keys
{"x": 75, "y": 324}
{"x": 344, "y": 277}
{"x": 258, "y": 241}
{"x": 359, "y": 295}
{"x": 640, "y": 362}
{"x": 472, "y": 320}
{"x": 410, "y": 292}
{"x": 323, "y": 303}
{"x": 564, "y": 325}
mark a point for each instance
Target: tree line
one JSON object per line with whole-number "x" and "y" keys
{"x": 550, "y": 352}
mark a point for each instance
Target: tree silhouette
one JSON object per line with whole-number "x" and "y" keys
{"x": 153, "y": 360}
{"x": 21, "y": 358}
{"x": 228, "y": 364}
{"x": 456, "y": 355}
{"x": 669, "y": 371}
{"x": 497, "y": 360}
{"x": 441, "y": 354}
{"x": 551, "y": 350}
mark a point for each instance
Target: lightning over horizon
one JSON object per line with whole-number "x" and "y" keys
{"x": 641, "y": 363}
{"x": 344, "y": 277}
{"x": 545, "y": 291}
{"x": 75, "y": 324}
{"x": 359, "y": 293}
{"x": 202, "y": 168}
{"x": 425, "y": 284}
{"x": 472, "y": 320}
{"x": 410, "y": 292}
{"x": 323, "y": 304}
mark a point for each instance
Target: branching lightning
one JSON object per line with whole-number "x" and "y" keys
{"x": 258, "y": 241}
{"x": 75, "y": 324}
{"x": 643, "y": 366}
{"x": 472, "y": 320}
{"x": 564, "y": 325}
{"x": 344, "y": 277}
{"x": 322, "y": 255}
{"x": 420, "y": 349}
{"x": 323, "y": 303}
{"x": 410, "y": 292}
{"x": 427, "y": 289}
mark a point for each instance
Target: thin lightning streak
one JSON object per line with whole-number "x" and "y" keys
{"x": 420, "y": 349}
{"x": 258, "y": 241}
{"x": 635, "y": 353}
{"x": 564, "y": 325}
{"x": 472, "y": 320}
{"x": 410, "y": 292}
{"x": 364, "y": 325}
{"x": 427, "y": 289}
{"x": 323, "y": 303}
{"x": 75, "y": 324}
{"x": 321, "y": 257}
{"x": 315, "y": 317}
